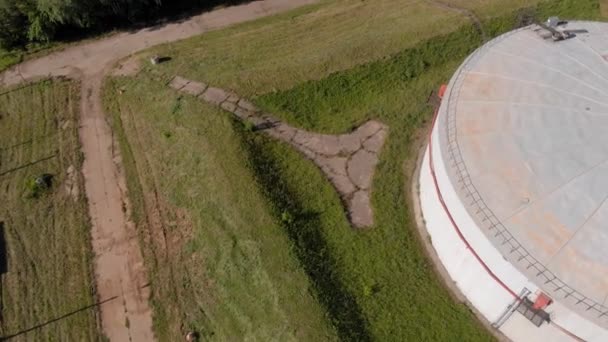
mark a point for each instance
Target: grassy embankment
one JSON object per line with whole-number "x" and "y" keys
{"x": 257, "y": 210}
{"x": 409, "y": 304}
{"x": 12, "y": 57}
{"x": 8, "y": 59}
{"x": 48, "y": 288}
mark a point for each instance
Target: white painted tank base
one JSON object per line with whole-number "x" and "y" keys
{"x": 473, "y": 280}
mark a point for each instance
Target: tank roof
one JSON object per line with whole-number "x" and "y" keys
{"x": 524, "y": 134}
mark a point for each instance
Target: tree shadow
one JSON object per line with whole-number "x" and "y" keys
{"x": 303, "y": 229}
{"x": 174, "y": 12}
{"x": 41, "y": 325}
{"x": 163, "y": 59}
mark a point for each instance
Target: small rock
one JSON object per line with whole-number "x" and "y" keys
{"x": 191, "y": 336}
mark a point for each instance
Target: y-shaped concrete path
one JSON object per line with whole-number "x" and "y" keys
{"x": 120, "y": 275}
{"x": 348, "y": 160}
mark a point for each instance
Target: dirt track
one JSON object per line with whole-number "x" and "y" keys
{"x": 464, "y": 11}
{"x": 121, "y": 278}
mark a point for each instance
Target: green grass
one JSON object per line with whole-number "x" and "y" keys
{"x": 410, "y": 303}
{"x": 278, "y": 52}
{"x": 343, "y": 100}
{"x": 228, "y": 270}
{"x": 8, "y": 59}
{"x": 384, "y": 267}
{"x": 48, "y": 287}
{"x": 370, "y": 285}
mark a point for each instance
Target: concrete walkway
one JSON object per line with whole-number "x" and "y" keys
{"x": 347, "y": 160}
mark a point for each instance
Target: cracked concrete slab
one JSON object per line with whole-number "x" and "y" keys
{"x": 332, "y": 165}
{"x": 347, "y": 160}
{"x": 368, "y": 129}
{"x": 320, "y": 143}
{"x": 343, "y": 185}
{"x": 360, "y": 209}
{"x": 361, "y": 168}
{"x": 241, "y": 113}
{"x": 194, "y": 88}
{"x": 350, "y": 143}
{"x": 247, "y": 105}
{"x": 214, "y": 95}
{"x": 228, "y": 106}
{"x": 232, "y": 97}
{"x": 178, "y": 83}
{"x": 374, "y": 143}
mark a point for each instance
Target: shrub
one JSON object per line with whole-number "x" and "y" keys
{"x": 37, "y": 186}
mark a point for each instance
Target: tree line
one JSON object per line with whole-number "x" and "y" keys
{"x": 25, "y": 21}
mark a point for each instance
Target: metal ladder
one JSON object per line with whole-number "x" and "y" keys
{"x": 511, "y": 308}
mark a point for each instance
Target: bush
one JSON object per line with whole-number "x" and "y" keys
{"x": 35, "y": 187}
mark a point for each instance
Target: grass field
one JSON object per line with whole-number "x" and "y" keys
{"x": 228, "y": 270}
{"x": 319, "y": 69}
{"x": 395, "y": 91}
{"x": 278, "y": 52}
{"x": 48, "y": 289}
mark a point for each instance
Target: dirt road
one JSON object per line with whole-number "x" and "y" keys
{"x": 119, "y": 267}
{"x": 464, "y": 11}
{"x": 94, "y": 57}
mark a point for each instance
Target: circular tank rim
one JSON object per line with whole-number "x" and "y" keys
{"x": 507, "y": 244}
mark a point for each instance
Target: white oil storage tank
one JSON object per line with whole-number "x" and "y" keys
{"x": 513, "y": 186}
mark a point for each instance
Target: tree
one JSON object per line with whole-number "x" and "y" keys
{"x": 12, "y": 24}
{"x": 23, "y": 21}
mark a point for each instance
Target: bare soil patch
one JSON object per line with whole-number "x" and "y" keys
{"x": 127, "y": 67}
